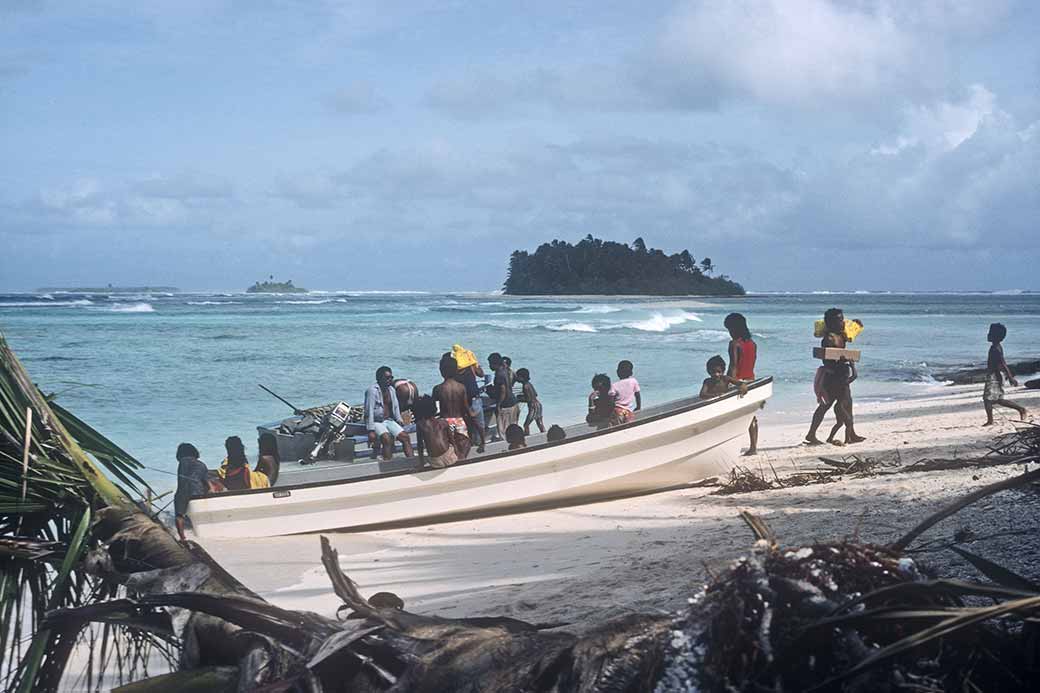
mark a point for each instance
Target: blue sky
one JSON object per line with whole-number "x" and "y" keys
{"x": 861, "y": 144}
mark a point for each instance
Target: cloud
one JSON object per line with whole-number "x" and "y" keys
{"x": 800, "y": 54}
{"x": 357, "y": 98}
{"x": 960, "y": 175}
{"x": 154, "y": 201}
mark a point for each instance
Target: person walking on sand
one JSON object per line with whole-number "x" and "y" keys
{"x": 996, "y": 369}
{"x": 834, "y": 384}
{"x": 743, "y": 352}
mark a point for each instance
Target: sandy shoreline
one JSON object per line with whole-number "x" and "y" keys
{"x": 586, "y": 564}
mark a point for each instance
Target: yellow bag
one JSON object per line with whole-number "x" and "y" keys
{"x": 852, "y": 329}
{"x": 463, "y": 357}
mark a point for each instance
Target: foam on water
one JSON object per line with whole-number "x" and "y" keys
{"x": 659, "y": 322}
{"x": 572, "y": 327}
{"x": 129, "y": 308}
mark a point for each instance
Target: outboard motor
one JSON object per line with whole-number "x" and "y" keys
{"x": 330, "y": 431}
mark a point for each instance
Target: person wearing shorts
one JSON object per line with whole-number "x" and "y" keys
{"x": 383, "y": 415}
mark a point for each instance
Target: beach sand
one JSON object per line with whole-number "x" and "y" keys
{"x": 584, "y": 565}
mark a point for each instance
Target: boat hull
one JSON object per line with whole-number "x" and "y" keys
{"x": 665, "y": 451}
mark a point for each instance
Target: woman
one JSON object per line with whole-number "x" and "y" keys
{"x": 267, "y": 460}
{"x": 834, "y": 383}
{"x": 236, "y": 473}
{"x": 743, "y": 352}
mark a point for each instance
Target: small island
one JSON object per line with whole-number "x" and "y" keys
{"x": 272, "y": 287}
{"x": 108, "y": 289}
{"x": 593, "y": 266}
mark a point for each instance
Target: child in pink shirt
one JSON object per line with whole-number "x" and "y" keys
{"x": 627, "y": 388}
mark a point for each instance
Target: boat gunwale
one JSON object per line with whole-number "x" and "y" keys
{"x": 760, "y": 382}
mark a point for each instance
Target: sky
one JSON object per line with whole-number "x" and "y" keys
{"x": 800, "y": 144}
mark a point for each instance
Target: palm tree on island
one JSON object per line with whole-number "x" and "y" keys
{"x": 272, "y": 287}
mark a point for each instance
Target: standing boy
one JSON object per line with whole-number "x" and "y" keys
{"x": 996, "y": 369}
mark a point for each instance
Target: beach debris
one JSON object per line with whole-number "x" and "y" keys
{"x": 1023, "y": 441}
{"x": 745, "y": 480}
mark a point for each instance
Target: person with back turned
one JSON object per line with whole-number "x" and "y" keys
{"x": 192, "y": 480}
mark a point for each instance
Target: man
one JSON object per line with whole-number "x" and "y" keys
{"x": 468, "y": 372}
{"x": 508, "y": 408}
{"x": 192, "y": 480}
{"x": 383, "y": 415}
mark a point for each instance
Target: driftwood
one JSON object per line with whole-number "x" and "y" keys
{"x": 835, "y": 616}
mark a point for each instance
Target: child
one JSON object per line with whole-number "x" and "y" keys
{"x": 555, "y": 433}
{"x": 743, "y": 352}
{"x": 996, "y": 369}
{"x": 445, "y": 443}
{"x": 602, "y": 403}
{"x": 515, "y": 437}
{"x": 842, "y": 404}
{"x": 629, "y": 399}
{"x": 718, "y": 382}
{"x": 534, "y": 405}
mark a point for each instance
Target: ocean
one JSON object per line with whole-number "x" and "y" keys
{"x": 153, "y": 370}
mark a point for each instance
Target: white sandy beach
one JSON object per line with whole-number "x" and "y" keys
{"x": 586, "y": 564}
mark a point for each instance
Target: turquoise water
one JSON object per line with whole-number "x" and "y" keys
{"x": 151, "y": 371}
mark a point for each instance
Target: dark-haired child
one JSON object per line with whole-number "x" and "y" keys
{"x": 996, "y": 369}
{"x": 629, "y": 399}
{"x": 743, "y": 353}
{"x": 717, "y": 383}
{"x": 515, "y": 437}
{"x": 555, "y": 433}
{"x": 602, "y": 403}
{"x": 445, "y": 443}
{"x": 534, "y": 405}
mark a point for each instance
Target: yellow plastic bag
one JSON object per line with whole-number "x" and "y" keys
{"x": 463, "y": 357}
{"x": 852, "y": 329}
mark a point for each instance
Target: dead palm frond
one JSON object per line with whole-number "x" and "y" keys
{"x": 49, "y": 487}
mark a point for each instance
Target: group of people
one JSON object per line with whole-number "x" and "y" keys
{"x": 194, "y": 478}
{"x": 451, "y": 419}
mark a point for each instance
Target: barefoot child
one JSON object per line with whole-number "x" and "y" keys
{"x": 743, "y": 352}
{"x": 534, "y": 405}
{"x": 997, "y": 368}
{"x": 841, "y": 403}
{"x": 717, "y": 383}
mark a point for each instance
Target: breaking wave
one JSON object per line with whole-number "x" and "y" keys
{"x": 130, "y": 308}
{"x": 46, "y": 304}
{"x": 659, "y": 322}
{"x": 572, "y": 327}
{"x": 599, "y": 310}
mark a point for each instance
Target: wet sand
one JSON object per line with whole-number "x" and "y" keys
{"x": 586, "y": 564}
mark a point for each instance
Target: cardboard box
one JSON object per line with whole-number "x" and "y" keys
{"x": 835, "y": 354}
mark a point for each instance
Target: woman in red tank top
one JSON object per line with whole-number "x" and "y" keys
{"x": 742, "y": 355}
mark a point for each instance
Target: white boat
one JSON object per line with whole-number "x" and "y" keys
{"x": 665, "y": 447}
